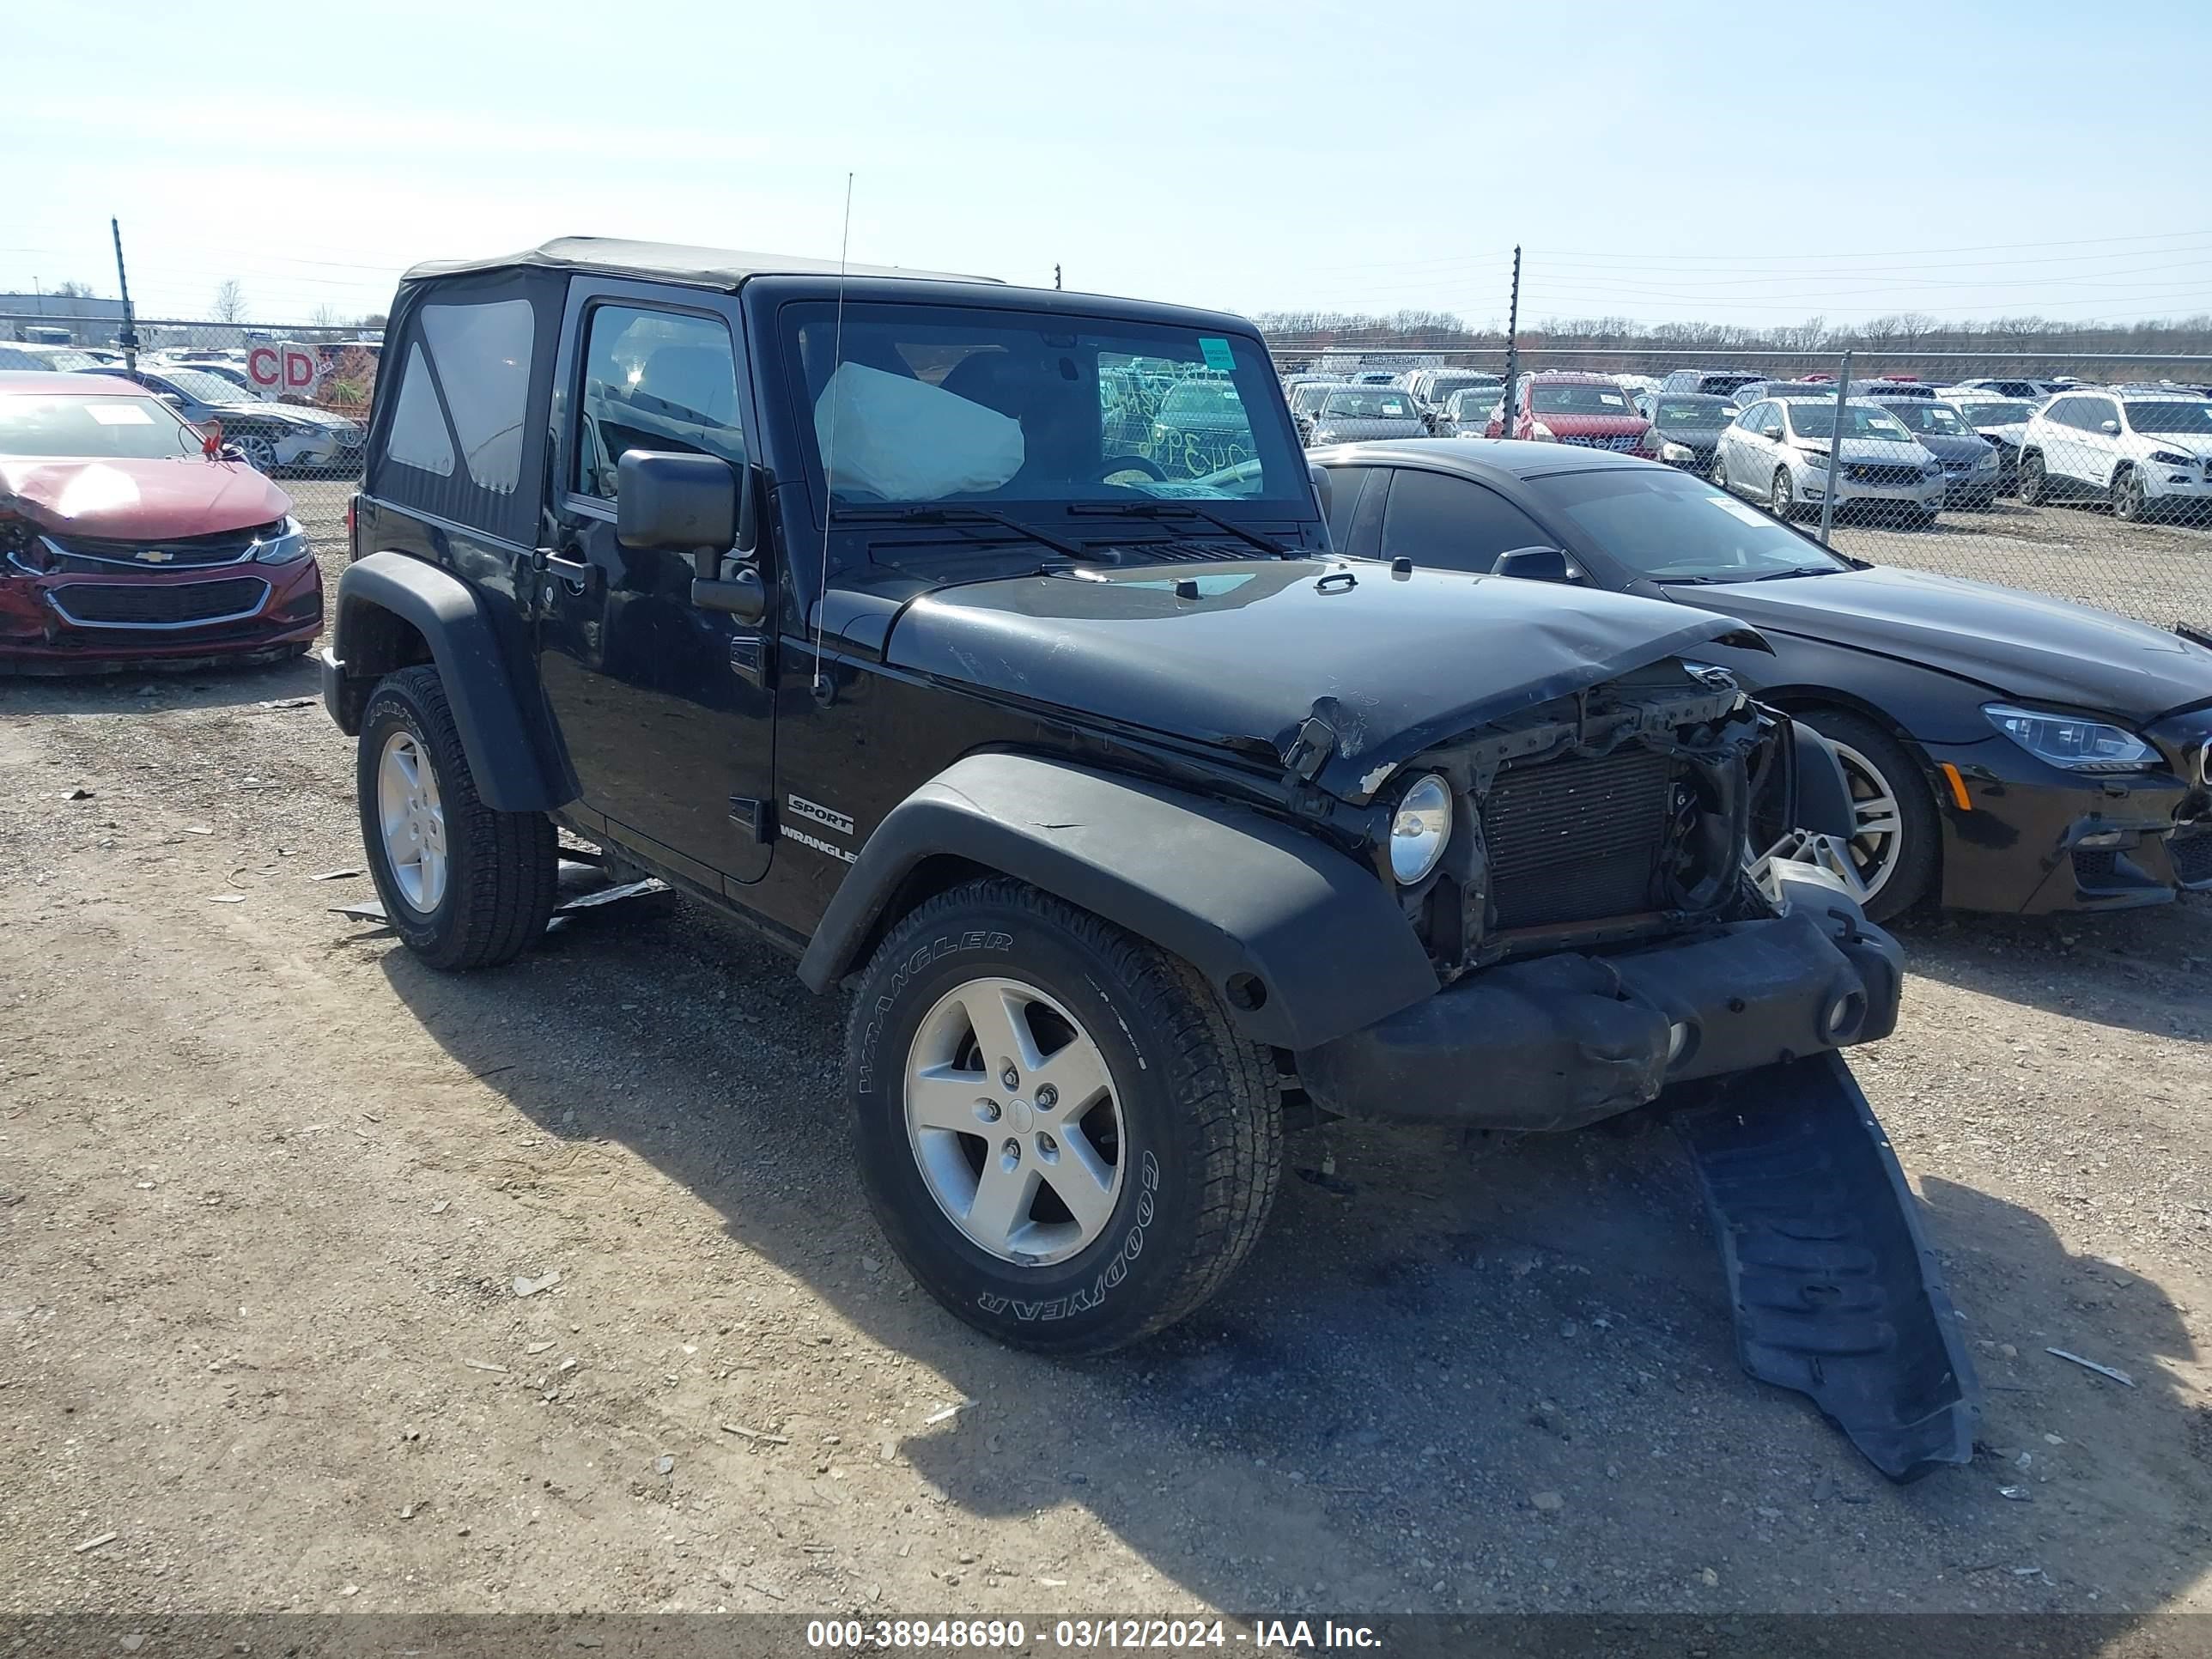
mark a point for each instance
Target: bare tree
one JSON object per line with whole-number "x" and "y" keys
{"x": 74, "y": 290}
{"x": 327, "y": 316}
{"x": 230, "y": 302}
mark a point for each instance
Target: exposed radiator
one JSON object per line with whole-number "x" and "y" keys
{"x": 1577, "y": 839}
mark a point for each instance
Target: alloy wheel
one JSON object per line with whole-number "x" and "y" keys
{"x": 1014, "y": 1122}
{"x": 412, "y": 819}
{"x": 1879, "y": 836}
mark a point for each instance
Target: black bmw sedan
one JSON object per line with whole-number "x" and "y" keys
{"x": 2008, "y": 751}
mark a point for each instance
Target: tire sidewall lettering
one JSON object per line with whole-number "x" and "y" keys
{"x": 974, "y": 938}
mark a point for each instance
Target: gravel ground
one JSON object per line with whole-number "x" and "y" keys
{"x": 280, "y": 1212}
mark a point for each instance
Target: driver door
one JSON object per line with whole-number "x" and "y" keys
{"x": 661, "y": 705}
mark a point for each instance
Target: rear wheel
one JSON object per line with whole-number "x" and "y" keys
{"x": 1058, "y": 1130}
{"x": 2034, "y": 484}
{"x": 463, "y": 885}
{"x": 1893, "y": 853}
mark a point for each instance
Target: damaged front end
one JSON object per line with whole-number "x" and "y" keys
{"x": 1596, "y": 920}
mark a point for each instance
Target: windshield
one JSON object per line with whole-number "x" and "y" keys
{"x": 1474, "y": 403}
{"x": 2172, "y": 415}
{"x": 1996, "y": 414}
{"x": 1667, "y": 525}
{"x": 1575, "y": 398}
{"x": 1932, "y": 418}
{"x": 1692, "y": 412}
{"x": 1819, "y": 420}
{"x": 1371, "y": 405}
{"x": 200, "y": 386}
{"x": 107, "y": 429}
{"x": 956, "y": 403}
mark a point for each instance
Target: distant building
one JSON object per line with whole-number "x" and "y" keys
{"x": 90, "y": 322}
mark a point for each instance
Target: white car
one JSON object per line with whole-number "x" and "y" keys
{"x": 2146, "y": 451}
{"x": 1776, "y": 451}
{"x": 2018, "y": 386}
{"x": 2003, "y": 421}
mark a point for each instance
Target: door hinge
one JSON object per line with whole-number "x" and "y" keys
{"x": 750, "y": 814}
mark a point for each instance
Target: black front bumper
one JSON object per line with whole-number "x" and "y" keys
{"x": 1564, "y": 1041}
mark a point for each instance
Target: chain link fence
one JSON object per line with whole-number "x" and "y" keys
{"x": 293, "y": 401}
{"x": 2086, "y": 477}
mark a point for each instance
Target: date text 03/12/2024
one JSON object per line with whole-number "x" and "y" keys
{"x": 1080, "y": 1635}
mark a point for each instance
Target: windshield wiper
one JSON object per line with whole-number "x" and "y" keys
{"x": 1795, "y": 570}
{"x": 1690, "y": 582}
{"x": 925, "y": 513}
{"x": 1185, "y": 510}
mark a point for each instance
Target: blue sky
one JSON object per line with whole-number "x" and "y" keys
{"x": 1760, "y": 164}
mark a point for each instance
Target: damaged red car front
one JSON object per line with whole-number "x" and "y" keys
{"x": 124, "y": 542}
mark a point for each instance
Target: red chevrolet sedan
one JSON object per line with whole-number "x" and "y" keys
{"x": 127, "y": 539}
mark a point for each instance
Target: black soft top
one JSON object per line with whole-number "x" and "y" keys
{"x": 669, "y": 262}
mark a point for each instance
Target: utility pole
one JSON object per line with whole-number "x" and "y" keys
{"x": 1506, "y": 403}
{"x": 128, "y": 338}
{"x": 1055, "y": 276}
{"x": 1835, "y": 452}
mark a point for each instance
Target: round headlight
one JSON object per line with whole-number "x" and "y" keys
{"x": 1419, "y": 829}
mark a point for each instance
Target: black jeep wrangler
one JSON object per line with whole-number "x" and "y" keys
{"x": 859, "y": 604}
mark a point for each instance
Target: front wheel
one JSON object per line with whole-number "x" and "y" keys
{"x": 1718, "y": 477}
{"x": 2034, "y": 485}
{"x": 1782, "y": 496}
{"x": 256, "y": 450}
{"x": 1893, "y": 852}
{"x": 1059, "y": 1131}
{"x": 463, "y": 885}
{"x": 2130, "y": 503}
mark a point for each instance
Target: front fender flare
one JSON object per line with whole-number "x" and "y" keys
{"x": 1229, "y": 890}
{"x": 511, "y": 770}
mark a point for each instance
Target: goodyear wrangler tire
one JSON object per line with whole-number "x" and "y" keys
{"x": 463, "y": 885}
{"x": 1059, "y": 1131}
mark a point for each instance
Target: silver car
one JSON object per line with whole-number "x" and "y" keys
{"x": 1359, "y": 414}
{"x": 1778, "y": 452}
{"x": 1469, "y": 411}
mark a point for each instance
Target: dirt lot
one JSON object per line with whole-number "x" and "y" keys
{"x": 270, "y": 1196}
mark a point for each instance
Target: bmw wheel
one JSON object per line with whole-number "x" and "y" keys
{"x": 1059, "y": 1131}
{"x": 1893, "y": 852}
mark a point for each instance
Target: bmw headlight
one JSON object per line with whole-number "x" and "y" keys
{"x": 2071, "y": 741}
{"x": 1419, "y": 829}
{"x": 289, "y": 542}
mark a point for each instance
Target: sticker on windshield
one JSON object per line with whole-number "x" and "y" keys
{"x": 1218, "y": 355}
{"x": 104, "y": 413}
{"x": 1737, "y": 509}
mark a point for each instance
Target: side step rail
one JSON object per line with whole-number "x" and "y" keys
{"x": 1837, "y": 1293}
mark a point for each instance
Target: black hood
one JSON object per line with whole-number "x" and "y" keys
{"x": 2021, "y": 645}
{"x": 1392, "y": 665}
{"x": 1702, "y": 439}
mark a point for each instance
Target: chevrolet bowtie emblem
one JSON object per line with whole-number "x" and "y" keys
{"x": 155, "y": 555}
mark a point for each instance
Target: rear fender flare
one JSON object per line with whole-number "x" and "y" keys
{"x": 1301, "y": 943}
{"x": 511, "y": 771}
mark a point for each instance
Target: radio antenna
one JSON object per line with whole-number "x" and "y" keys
{"x": 829, "y": 439}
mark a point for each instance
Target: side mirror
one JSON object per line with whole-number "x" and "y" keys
{"x": 1533, "y": 564}
{"x": 2110, "y": 428}
{"x": 1771, "y": 433}
{"x": 681, "y": 502}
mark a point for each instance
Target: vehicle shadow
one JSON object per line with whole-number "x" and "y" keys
{"x": 2147, "y": 970}
{"x": 1434, "y": 1335}
{"x": 145, "y": 690}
